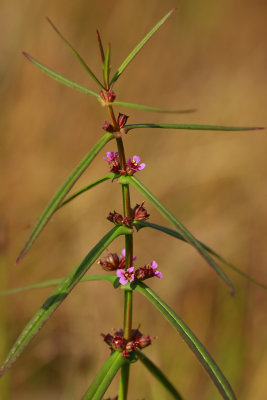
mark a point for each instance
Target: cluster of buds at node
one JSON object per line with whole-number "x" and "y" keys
{"x": 112, "y": 261}
{"x": 118, "y": 219}
{"x": 119, "y": 343}
{"x": 138, "y": 213}
{"x": 108, "y": 96}
{"x": 148, "y": 271}
{"x": 113, "y": 160}
{"x": 121, "y": 121}
{"x": 142, "y": 273}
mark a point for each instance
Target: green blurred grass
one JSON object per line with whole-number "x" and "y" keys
{"x": 210, "y": 55}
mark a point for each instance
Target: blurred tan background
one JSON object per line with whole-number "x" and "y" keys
{"x": 210, "y": 55}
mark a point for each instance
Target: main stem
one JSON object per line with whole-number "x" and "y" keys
{"x": 128, "y": 294}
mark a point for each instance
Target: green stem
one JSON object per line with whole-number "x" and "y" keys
{"x": 123, "y": 388}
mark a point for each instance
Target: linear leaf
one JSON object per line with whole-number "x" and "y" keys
{"x": 60, "y": 294}
{"x": 62, "y": 192}
{"x": 197, "y": 127}
{"x": 178, "y": 225}
{"x": 105, "y": 376}
{"x": 191, "y": 340}
{"x": 139, "y": 47}
{"x": 102, "y": 53}
{"x": 148, "y": 108}
{"x": 145, "y": 224}
{"x": 59, "y": 78}
{"x": 158, "y": 374}
{"x": 77, "y": 55}
{"x": 106, "y": 68}
{"x": 90, "y": 186}
{"x": 53, "y": 282}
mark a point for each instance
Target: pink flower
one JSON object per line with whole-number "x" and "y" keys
{"x": 125, "y": 276}
{"x": 113, "y": 161}
{"x": 154, "y": 266}
{"x": 111, "y": 156}
{"x": 135, "y": 165}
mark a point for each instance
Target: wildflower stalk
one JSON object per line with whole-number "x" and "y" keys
{"x": 128, "y": 294}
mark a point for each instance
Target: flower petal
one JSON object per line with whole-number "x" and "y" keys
{"x": 136, "y": 159}
{"x": 158, "y": 274}
{"x": 123, "y": 280}
{"x": 120, "y": 273}
{"x": 141, "y": 166}
{"x": 153, "y": 265}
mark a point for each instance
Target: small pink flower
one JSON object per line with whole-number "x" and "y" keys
{"x": 134, "y": 165}
{"x": 154, "y": 266}
{"x": 111, "y": 156}
{"x": 125, "y": 276}
{"x": 113, "y": 161}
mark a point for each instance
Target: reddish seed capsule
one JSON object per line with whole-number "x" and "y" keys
{"x": 118, "y": 343}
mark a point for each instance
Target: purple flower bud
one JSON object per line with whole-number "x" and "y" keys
{"x": 122, "y": 119}
{"x": 118, "y": 343}
{"x": 108, "y": 97}
{"x": 144, "y": 341}
{"x": 118, "y": 219}
{"x": 107, "y": 338}
{"x": 148, "y": 271}
{"x": 139, "y": 213}
{"x": 131, "y": 346}
{"x": 108, "y": 127}
{"x": 110, "y": 263}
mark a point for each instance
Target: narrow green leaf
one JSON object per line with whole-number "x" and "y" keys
{"x": 105, "y": 376}
{"x": 197, "y": 127}
{"x": 53, "y": 282}
{"x": 178, "y": 225}
{"x": 139, "y": 47}
{"x": 59, "y": 78}
{"x": 62, "y": 192}
{"x": 145, "y": 224}
{"x": 102, "y": 54}
{"x": 60, "y": 294}
{"x": 191, "y": 340}
{"x": 158, "y": 374}
{"x": 77, "y": 55}
{"x": 148, "y": 108}
{"x": 106, "y": 68}
{"x": 83, "y": 190}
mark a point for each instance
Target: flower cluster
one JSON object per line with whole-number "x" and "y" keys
{"x": 108, "y": 96}
{"x": 148, "y": 271}
{"x": 121, "y": 121}
{"x": 118, "y": 219}
{"x": 138, "y": 213}
{"x": 113, "y": 160}
{"x": 142, "y": 273}
{"x": 113, "y": 262}
{"x": 119, "y": 343}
